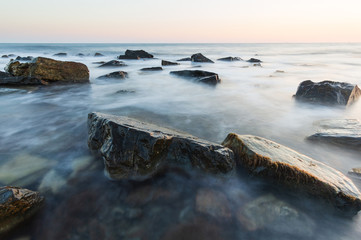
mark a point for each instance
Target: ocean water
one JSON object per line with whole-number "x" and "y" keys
{"x": 43, "y": 139}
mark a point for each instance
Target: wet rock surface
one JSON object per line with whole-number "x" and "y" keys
{"x": 4, "y": 56}
{"x": 60, "y": 54}
{"x": 168, "y": 63}
{"x": 328, "y": 93}
{"x": 26, "y": 59}
{"x": 113, "y": 63}
{"x": 116, "y": 75}
{"x": 185, "y": 59}
{"x": 135, "y": 54}
{"x": 254, "y": 60}
{"x": 152, "y": 69}
{"x": 210, "y": 78}
{"x": 344, "y": 133}
{"x": 265, "y": 158}
{"x": 230, "y": 59}
{"x": 198, "y": 57}
{"x": 16, "y": 205}
{"x": 138, "y": 150}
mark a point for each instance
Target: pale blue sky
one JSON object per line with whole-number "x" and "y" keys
{"x": 180, "y": 21}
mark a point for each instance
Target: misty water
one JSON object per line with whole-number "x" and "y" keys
{"x": 43, "y": 140}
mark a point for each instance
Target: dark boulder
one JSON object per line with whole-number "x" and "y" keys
{"x": 46, "y": 70}
{"x": 152, "y": 69}
{"x": 343, "y": 133}
{"x": 28, "y": 58}
{"x": 284, "y": 166}
{"x": 328, "y": 93}
{"x": 60, "y": 54}
{"x": 184, "y": 59}
{"x": 80, "y": 55}
{"x": 254, "y": 60}
{"x": 135, "y": 54}
{"x": 113, "y": 63}
{"x": 138, "y": 150}
{"x": 98, "y": 55}
{"x": 229, "y": 59}
{"x": 117, "y": 75}
{"x": 17, "y": 205}
{"x": 6, "y": 79}
{"x": 198, "y": 57}
{"x": 4, "y": 56}
{"x": 210, "y": 78}
{"x": 167, "y": 63}
{"x": 101, "y": 62}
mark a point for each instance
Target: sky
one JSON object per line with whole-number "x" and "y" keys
{"x": 180, "y": 21}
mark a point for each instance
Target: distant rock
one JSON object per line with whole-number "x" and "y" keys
{"x": 122, "y": 91}
{"x": 152, "y": 69}
{"x": 254, "y": 60}
{"x": 265, "y": 158}
{"x": 80, "y": 55}
{"x": 101, "y": 62}
{"x": 5, "y": 56}
{"x": 113, "y": 63}
{"x": 198, "y": 57}
{"x": 11, "y": 55}
{"x": 185, "y": 59}
{"x": 343, "y": 133}
{"x": 116, "y": 75}
{"x": 17, "y": 205}
{"x": 328, "y": 93}
{"x": 167, "y": 63}
{"x": 138, "y": 150}
{"x": 210, "y": 78}
{"x": 213, "y": 203}
{"x": 60, "y": 54}
{"x": 43, "y": 71}
{"x": 135, "y": 54}
{"x": 230, "y": 59}
{"x": 257, "y": 65}
{"x": 28, "y": 58}
{"x": 98, "y": 55}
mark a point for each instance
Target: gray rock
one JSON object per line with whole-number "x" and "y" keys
{"x": 98, "y": 55}
{"x": 230, "y": 59}
{"x": 113, "y": 63}
{"x": 135, "y": 54}
{"x": 17, "y": 205}
{"x": 60, "y": 54}
{"x": 80, "y": 55}
{"x": 137, "y": 150}
{"x": 254, "y": 60}
{"x": 328, "y": 93}
{"x": 272, "y": 161}
{"x": 168, "y": 63}
{"x": 343, "y": 133}
{"x": 116, "y": 75}
{"x": 152, "y": 69}
{"x": 185, "y": 59}
{"x": 5, "y": 56}
{"x": 26, "y": 59}
{"x": 210, "y": 78}
{"x": 198, "y": 57}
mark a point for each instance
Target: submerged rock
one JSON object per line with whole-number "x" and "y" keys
{"x": 168, "y": 63}
{"x": 138, "y": 150}
{"x": 113, "y": 63}
{"x": 213, "y": 203}
{"x": 135, "y": 54}
{"x": 46, "y": 70}
{"x": 343, "y": 133}
{"x": 152, "y": 69}
{"x": 185, "y": 59}
{"x": 230, "y": 59}
{"x": 254, "y": 60}
{"x": 194, "y": 231}
{"x": 328, "y": 92}
{"x": 60, "y": 54}
{"x": 198, "y": 57}
{"x": 5, "y": 56}
{"x": 28, "y": 58}
{"x": 17, "y": 205}
{"x": 267, "y": 212}
{"x": 265, "y": 158}
{"x": 98, "y": 55}
{"x": 80, "y": 55}
{"x": 117, "y": 75}
{"x": 199, "y": 76}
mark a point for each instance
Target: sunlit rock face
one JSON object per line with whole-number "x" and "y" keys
{"x": 138, "y": 150}
{"x": 16, "y": 205}
{"x": 328, "y": 93}
{"x": 271, "y": 160}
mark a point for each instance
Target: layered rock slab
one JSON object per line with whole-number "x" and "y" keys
{"x": 138, "y": 150}
{"x": 273, "y": 161}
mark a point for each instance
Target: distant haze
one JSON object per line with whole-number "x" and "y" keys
{"x": 210, "y": 21}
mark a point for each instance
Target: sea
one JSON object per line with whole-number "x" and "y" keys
{"x": 43, "y": 142}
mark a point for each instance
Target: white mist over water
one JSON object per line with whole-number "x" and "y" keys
{"x": 250, "y": 100}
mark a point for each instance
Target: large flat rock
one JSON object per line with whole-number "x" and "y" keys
{"x": 273, "y": 161}
{"x": 341, "y": 132}
{"x": 137, "y": 150}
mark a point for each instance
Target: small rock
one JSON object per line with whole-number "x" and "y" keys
{"x": 101, "y": 62}
{"x": 198, "y": 57}
{"x": 257, "y": 65}
{"x": 116, "y": 75}
{"x": 210, "y": 78}
{"x": 28, "y": 58}
{"x": 98, "y": 55}
{"x": 152, "y": 69}
{"x": 254, "y": 60}
{"x": 184, "y": 59}
{"x": 5, "y": 56}
{"x": 113, "y": 63}
{"x": 122, "y": 91}
{"x": 80, "y": 55}
{"x": 213, "y": 203}
{"x": 60, "y": 54}
{"x": 230, "y": 59}
{"x": 135, "y": 54}
{"x": 167, "y": 63}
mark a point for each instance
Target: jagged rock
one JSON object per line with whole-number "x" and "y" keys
{"x": 138, "y": 150}
{"x": 230, "y": 59}
{"x": 343, "y": 133}
{"x": 113, "y": 63}
{"x": 199, "y": 76}
{"x": 60, "y": 54}
{"x": 5, "y": 56}
{"x": 17, "y": 205}
{"x": 198, "y": 57}
{"x": 328, "y": 92}
{"x": 45, "y": 70}
{"x": 28, "y": 58}
{"x": 265, "y": 158}
{"x": 135, "y": 54}
{"x": 254, "y": 60}
{"x": 152, "y": 69}
{"x": 268, "y": 212}
{"x": 184, "y": 59}
{"x": 98, "y": 55}
{"x": 167, "y": 63}
{"x": 117, "y": 75}
{"x": 213, "y": 203}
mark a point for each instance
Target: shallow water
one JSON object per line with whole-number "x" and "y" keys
{"x": 43, "y": 138}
